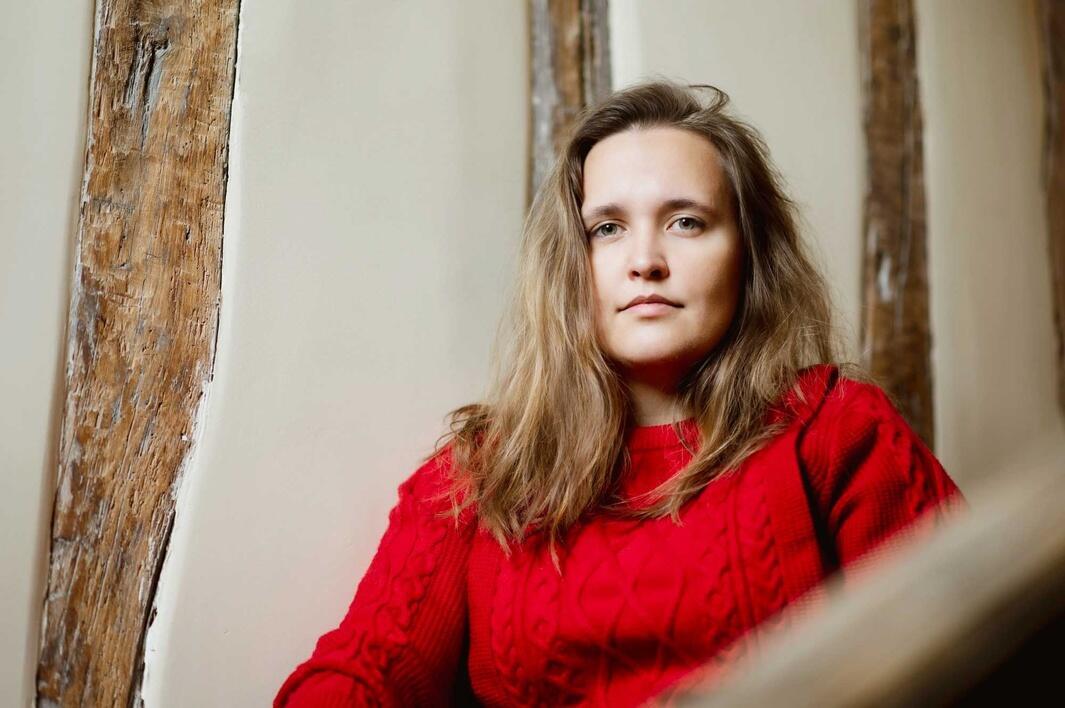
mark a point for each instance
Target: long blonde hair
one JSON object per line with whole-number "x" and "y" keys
{"x": 547, "y": 443}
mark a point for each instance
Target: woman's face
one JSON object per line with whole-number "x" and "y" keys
{"x": 658, "y": 213}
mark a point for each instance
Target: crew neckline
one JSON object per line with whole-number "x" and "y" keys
{"x": 652, "y": 437}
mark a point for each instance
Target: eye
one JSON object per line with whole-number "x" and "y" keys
{"x": 607, "y": 229}
{"x": 688, "y": 223}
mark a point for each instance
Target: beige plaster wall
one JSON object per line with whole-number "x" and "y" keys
{"x": 44, "y": 75}
{"x": 377, "y": 187}
{"x": 992, "y": 322}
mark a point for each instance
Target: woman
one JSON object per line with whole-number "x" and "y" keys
{"x": 667, "y": 456}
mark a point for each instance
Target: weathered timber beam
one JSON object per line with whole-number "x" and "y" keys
{"x": 570, "y": 65}
{"x": 896, "y": 338}
{"x": 1052, "y": 26}
{"x": 141, "y": 333}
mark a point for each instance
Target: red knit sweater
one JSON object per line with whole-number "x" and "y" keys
{"x": 442, "y": 616}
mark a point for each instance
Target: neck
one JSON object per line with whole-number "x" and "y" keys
{"x": 654, "y": 399}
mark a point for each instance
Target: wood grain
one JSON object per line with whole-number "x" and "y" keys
{"x": 1052, "y": 26}
{"x": 896, "y": 337}
{"x": 570, "y": 65}
{"x": 141, "y": 333}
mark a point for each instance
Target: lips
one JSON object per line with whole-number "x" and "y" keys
{"x": 640, "y": 299}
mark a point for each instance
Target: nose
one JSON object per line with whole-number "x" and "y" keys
{"x": 647, "y": 259}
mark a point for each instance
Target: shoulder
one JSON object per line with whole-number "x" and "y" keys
{"x": 845, "y": 418}
{"x": 823, "y": 393}
{"x": 847, "y": 423}
{"x": 431, "y": 475}
{"x": 858, "y": 444}
{"x": 804, "y": 398}
{"x": 432, "y": 488}
{"x": 868, "y": 474}
{"x": 848, "y": 409}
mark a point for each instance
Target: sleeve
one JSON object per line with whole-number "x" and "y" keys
{"x": 871, "y": 476}
{"x": 401, "y": 642}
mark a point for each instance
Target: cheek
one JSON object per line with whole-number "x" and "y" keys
{"x": 722, "y": 292}
{"x": 728, "y": 289}
{"x": 601, "y": 294}
{"x": 597, "y": 302}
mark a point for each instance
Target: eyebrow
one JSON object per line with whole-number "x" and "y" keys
{"x": 670, "y": 205}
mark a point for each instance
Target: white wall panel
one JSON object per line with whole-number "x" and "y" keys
{"x": 44, "y": 78}
{"x": 993, "y": 343}
{"x": 377, "y": 191}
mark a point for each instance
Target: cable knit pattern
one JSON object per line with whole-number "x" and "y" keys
{"x": 765, "y": 583}
{"x": 639, "y": 606}
{"x": 512, "y": 674}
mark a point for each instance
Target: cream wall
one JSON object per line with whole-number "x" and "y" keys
{"x": 992, "y": 318}
{"x": 377, "y": 186}
{"x": 44, "y": 73}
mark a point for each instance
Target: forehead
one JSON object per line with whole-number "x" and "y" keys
{"x": 647, "y": 165}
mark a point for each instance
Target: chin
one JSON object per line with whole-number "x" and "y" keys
{"x": 660, "y": 356}
{"x": 653, "y": 359}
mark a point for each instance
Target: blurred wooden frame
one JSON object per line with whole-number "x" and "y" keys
{"x": 931, "y": 623}
{"x": 1052, "y": 30}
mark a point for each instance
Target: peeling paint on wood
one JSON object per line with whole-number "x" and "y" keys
{"x": 1052, "y": 26}
{"x": 570, "y": 49}
{"x": 141, "y": 334}
{"x": 896, "y": 337}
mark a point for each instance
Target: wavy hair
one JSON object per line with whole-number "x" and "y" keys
{"x": 547, "y": 443}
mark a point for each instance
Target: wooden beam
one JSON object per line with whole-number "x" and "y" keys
{"x": 570, "y": 65}
{"x": 929, "y": 624}
{"x": 896, "y": 339}
{"x": 1052, "y": 26}
{"x": 141, "y": 333}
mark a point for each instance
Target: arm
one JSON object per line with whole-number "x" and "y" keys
{"x": 871, "y": 475}
{"x": 401, "y": 641}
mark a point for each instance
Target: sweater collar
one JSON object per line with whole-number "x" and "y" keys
{"x": 815, "y": 382}
{"x": 655, "y": 437}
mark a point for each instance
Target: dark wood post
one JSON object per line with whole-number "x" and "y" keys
{"x": 141, "y": 334}
{"x": 1052, "y": 26}
{"x": 896, "y": 338}
{"x": 570, "y": 65}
